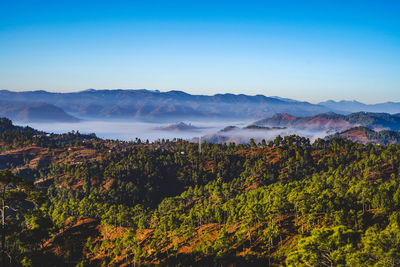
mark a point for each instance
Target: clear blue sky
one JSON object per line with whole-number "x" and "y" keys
{"x": 307, "y": 50}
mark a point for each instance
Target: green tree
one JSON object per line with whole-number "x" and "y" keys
{"x": 325, "y": 247}
{"x": 14, "y": 195}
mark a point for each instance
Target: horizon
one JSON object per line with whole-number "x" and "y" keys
{"x": 311, "y": 51}
{"x": 214, "y": 94}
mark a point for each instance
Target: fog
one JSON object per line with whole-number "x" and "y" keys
{"x": 244, "y": 135}
{"x": 129, "y": 130}
{"x": 209, "y": 131}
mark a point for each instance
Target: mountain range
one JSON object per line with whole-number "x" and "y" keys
{"x": 33, "y": 106}
{"x": 332, "y": 122}
{"x": 155, "y": 105}
{"x": 362, "y": 127}
{"x": 355, "y": 106}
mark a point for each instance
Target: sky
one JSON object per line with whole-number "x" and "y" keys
{"x": 305, "y": 50}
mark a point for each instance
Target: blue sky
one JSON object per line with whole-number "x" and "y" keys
{"x": 306, "y": 50}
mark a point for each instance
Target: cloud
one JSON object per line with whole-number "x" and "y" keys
{"x": 210, "y": 131}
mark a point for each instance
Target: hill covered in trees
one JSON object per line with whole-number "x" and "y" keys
{"x": 335, "y": 122}
{"x": 365, "y": 135}
{"x": 285, "y": 201}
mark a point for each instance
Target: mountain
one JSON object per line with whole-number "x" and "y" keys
{"x": 155, "y": 105}
{"x": 34, "y": 112}
{"x": 285, "y": 99}
{"x": 355, "y": 106}
{"x": 365, "y": 135}
{"x": 335, "y": 122}
{"x": 179, "y": 127}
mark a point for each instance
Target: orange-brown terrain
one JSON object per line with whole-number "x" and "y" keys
{"x": 117, "y": 203}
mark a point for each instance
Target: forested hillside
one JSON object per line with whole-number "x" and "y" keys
{"x": 281, "y": 202}
{"x": 365, "y": 135}
{"x": 334, "y": 122}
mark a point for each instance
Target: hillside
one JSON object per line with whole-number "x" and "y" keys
{"x": 279, "y": 203}
{"x": 10, "y": 133}
{"x": 332, "y": 122}
{"x": 7, "y": 125}
{"x": 365, "y": 135}
{"x": 177, "y": 127}
{"x": 34, "y": 112}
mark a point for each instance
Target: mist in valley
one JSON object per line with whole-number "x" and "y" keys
{"x": 211, "y": 131}
{"x": 130, "y": 130}
{"x": 242, "y": 136}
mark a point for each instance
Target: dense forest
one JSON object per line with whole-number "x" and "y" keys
{"x": 77, "y": 200}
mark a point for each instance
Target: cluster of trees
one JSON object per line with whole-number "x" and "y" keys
{"x": 286, "y": 201}
{"x": 25, "y": 224}
{"x": 385, "y": 137}
{"x": 12, "y": 136}
{"x": 333, "y": 200}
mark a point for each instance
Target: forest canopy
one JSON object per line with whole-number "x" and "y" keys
{"x": 92, "y": 202}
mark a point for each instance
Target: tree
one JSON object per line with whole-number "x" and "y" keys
{"x": 253, "y": 143}
{"x": 325, "y": 247}
{"x": 14, "y": 195}
{"x": 382, "y": 248}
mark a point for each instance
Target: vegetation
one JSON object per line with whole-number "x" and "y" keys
{"x": 366, "y": 135}
{"x": 281, "y": 202}
{"x": 333, "y": 121}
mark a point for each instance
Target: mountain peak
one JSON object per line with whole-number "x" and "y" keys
{"x": 284, "y": 116}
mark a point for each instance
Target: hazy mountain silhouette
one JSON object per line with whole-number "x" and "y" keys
{"x": 34, "y": 112}
{"x": 355, "y": 106}
{"x": 155, "y": 105}
{"x": 173, "y": 105}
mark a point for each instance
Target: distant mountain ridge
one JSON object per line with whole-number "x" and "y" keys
{"x": 335, "y": 122}
{"x": 155, "y": 105}
{"x": 355, "y": 106}
{"x": 150, "y": 105}
{"x": 34, "y": 112}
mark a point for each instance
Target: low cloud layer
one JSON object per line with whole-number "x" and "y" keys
{"x": 209, "y": 131}
{"x": 239, "y": 135}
